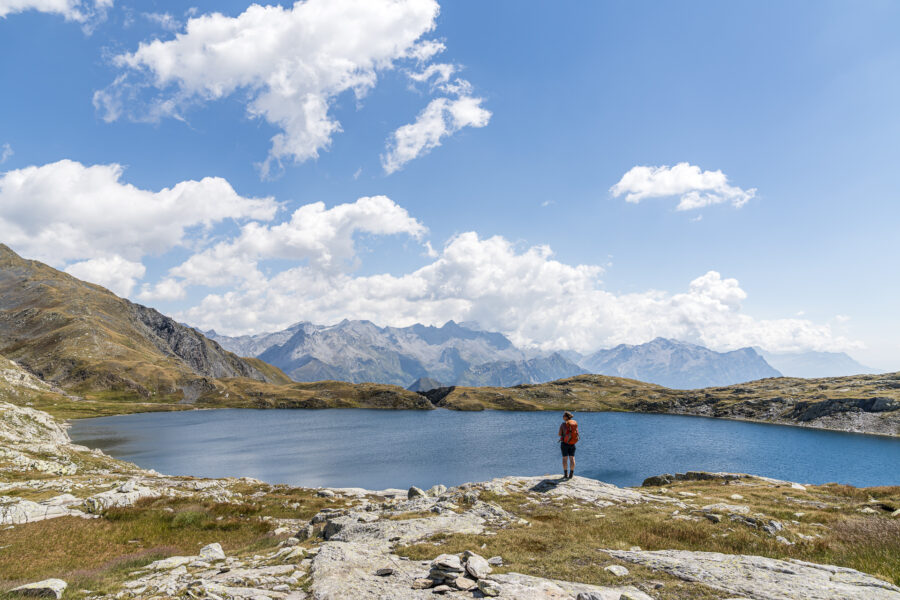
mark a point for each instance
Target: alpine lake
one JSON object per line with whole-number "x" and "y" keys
{"x": 378, "y": 449}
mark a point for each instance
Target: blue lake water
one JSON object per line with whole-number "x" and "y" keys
{"x": 381, "y": 449}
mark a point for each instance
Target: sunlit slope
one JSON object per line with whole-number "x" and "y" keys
{"x": 868, "y": 403}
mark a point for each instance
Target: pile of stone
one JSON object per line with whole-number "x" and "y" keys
{"x": 466, "y": 571}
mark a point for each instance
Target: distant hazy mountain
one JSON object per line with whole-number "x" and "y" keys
{"x": 359, "y": 351}
{"x": 815, "y": 364}
{"x": 425, "y": 384}
{"x": 679, "y": 365}
{"x": 509, "y": 373}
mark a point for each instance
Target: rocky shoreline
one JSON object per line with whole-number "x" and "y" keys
{"x": 369, "y": 544}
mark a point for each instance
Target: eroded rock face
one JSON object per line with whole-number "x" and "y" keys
{"x": 760, "y": 578}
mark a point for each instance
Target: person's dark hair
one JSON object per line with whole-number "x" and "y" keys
{"x": 567, "y": 415}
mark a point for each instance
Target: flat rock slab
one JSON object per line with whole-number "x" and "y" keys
{"x": 345, "y": 570}
{"x": 524, "y": 587}
{"x": 760, "y": 578}
{"x": 578, "y": 488}
{"x": 383, "y": 533}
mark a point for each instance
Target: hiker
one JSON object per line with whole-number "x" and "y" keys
{"x": 568, "y": 437}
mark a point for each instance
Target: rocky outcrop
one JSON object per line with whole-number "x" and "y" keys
{"x": 205, "y": 357}
{"x": 760, "y": 578}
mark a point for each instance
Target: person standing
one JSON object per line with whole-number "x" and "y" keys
{"x": 568, "y": 437}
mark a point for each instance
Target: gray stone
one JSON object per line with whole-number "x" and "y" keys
{"x": 617, "y": 570}
{"x": 448, "y": 563}
{"x": 384, "y": 571}
{"x": 773, "y": 526}
{"x": 496, "y": 561}
{"x": 212, "y": 552}
{"x": 414, "y": 492}
{"x": 436, "y": 490}
{"x": 441, "y": 589}
{"x": 49, "y": 588}
{"x": 464, "y": 583}
{"x": 489, "y": 588}
{"x": 727, "y": 508}
{"x": 477, "y": 567}
{"x": 713, "y": 517}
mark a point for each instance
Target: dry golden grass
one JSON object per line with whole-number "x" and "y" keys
{"x": 90, "y": 553}
{"x": 563, "y": 539}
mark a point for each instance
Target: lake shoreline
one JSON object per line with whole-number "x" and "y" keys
{"x": 240, "y": 537}
{"x": 497, "y": 442}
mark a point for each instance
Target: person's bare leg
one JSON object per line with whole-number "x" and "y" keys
{"x": 565, "y": 469}
{"x": 571, "y": 466}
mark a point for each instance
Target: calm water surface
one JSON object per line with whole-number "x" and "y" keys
{"x": 380, "y": 449}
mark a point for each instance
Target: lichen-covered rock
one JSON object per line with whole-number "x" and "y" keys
{"x": 212, "y": 552}
{"x": 49, "y": 588}
{"x": 125, "y": 495}
{"x": 761, "y": 578}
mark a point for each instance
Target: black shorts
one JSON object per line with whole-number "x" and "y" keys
{"x": 567, "y": 449}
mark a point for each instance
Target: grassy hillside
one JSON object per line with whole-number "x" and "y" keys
{"x": 97, "y": 354}
{"x": 869, "y": 403}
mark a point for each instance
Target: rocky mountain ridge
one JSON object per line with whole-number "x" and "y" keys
{"x": 454, "y": 354}
{"x": 360, "y": 351}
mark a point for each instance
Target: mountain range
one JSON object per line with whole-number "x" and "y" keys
{"x": 360, "y": 351}
{"x": 423, "y": 357}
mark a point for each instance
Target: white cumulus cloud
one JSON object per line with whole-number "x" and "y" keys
{"x": 322, "y": 237}
{"x": 289, "y": 63}
{"x": 525, "y": 293}
{"x": 694, "y": 188}
{"x": 66, "y": 211}
{"x": 441, "y": 118}
{"x": 112, "y": 272}
{"x": 81, "y": 11}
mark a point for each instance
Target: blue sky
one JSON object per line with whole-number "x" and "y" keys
{"x": 547, "y": 109}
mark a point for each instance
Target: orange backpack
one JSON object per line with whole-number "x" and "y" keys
{"x": 570, "y": 434}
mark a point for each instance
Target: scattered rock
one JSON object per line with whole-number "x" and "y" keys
{"x": 49, "y": 588}
{"x": 436, "y": 491}
{"x": 617, "y": 570}
{"x": 727, "y": 508}
{"x": 212, "y": 552}
{"x": 489, "y": 588}
{"x": 384, "y": 571}
{"x": 414, "y": 492}
{"x": 477, "y": 567}
{"x": 713, "y": 517}
{"x": 496, "y": 561}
